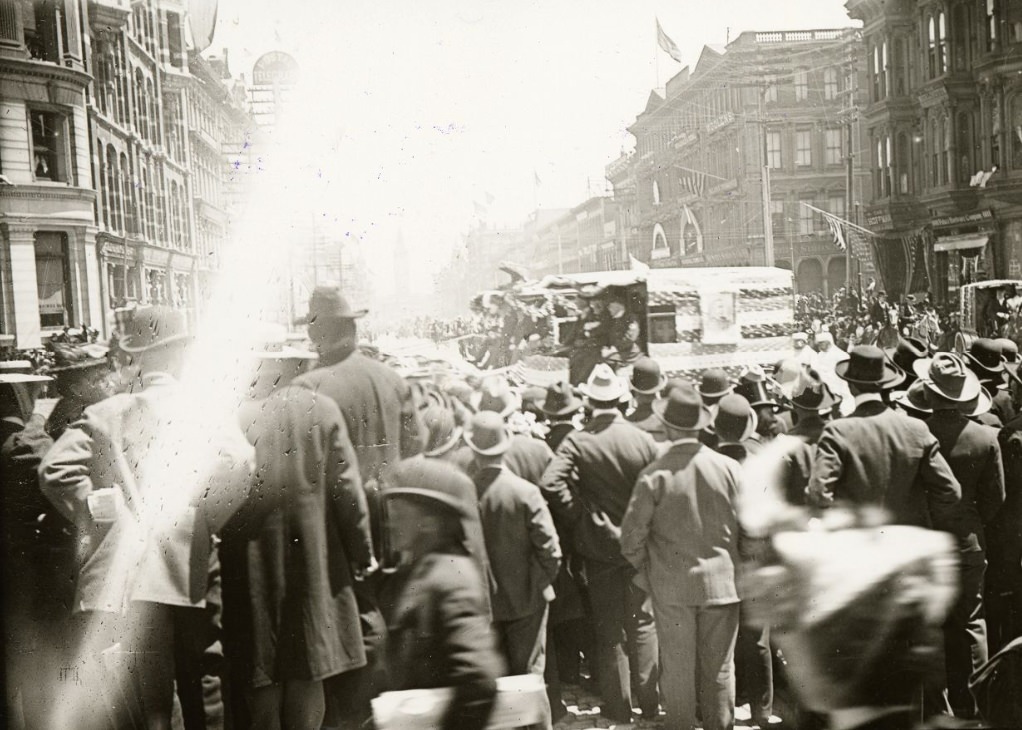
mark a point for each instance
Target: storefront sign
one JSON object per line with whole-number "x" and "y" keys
{"x": 948, "y": 221}
{"x": 882, "y": 218}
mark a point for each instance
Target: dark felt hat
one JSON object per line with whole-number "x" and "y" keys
{"x": 986, "y": 358}
{"x": 815, "y": 395}
{"x": 431, "y": 480}
{"x": 868, "y": 365}
{"x": 735, "y": 421}
{"x": 646, "y": 376}
{"x": 907, "y": 352}
{"x": 948, "y": 375}
{"x": 683, "y": 409}
{"x": 328, "y": 302}
{"x": 561, "y": 399}
{"x": 714, "y": 383}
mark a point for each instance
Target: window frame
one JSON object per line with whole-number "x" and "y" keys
{"x": 64, "y": 159}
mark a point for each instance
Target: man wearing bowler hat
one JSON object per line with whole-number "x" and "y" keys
{"x": 384, "y": 426}
{"x": 974, "y": 455}
{"x": 714, "y": 384}
{"x": 680, "y": 533}
{"x": 813, "y": 406}
{"x": 646, "y": 384}
{"x": 524, "y": 551}
{"x": 880, "y": 457}
{"x": 588, "y": 485}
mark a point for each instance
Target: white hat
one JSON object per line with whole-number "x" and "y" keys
{"x": 604, "y": 385}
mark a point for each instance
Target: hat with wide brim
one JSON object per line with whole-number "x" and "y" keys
{"x": 947, "y": 375}
{"x": 715, "y": 383}
{"x": 647, "y": 379}
{"x": 986, "y": 357}
{"x": 561, "y": 400}
{"x": 868, "y": 365}
{"x": 488, "y": 435}
{"x": 732, "y": 410}
{"x": 453, "y": 440}
{"x": 328, "y": 302}
{"x": 979, "y": 405}
{"x": 913, "y": 399}
{"x": 604, "y": 385}
{"x": 433, "y": 481}
{"x": 74, "y": 358}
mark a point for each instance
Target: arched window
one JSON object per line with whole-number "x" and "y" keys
{"x": 173, "y": 212}
{"x": 902, "y": 150}
{"x": 154, "y": 122}
{"x": 147, "y": 198}
{"x": 809, "y": 276}
{"x": 661, "y": 249}
{"x": 965, "y": 146}
{"x": 141, "y": 106}
{"x": 932, "y": 46}
{"x": 104, "y": 189}
{"x": 934, "y": 153}
{"x": 161, "y": 204}
{"x": 656, "y": 193}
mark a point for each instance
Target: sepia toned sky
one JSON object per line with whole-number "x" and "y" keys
{"x": 415, "y": 109}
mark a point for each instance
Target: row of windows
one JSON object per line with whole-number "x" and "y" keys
{"x": 142, "y": 204}
{"x": 808, "y": 143}
{"x": 944, "y": 150}
{"x": 711, "y": 106}
{"x": 944, "y": 42}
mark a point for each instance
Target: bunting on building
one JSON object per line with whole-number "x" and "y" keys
{"x": 693, "y": 181}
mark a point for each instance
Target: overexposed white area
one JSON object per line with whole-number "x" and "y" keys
{"x": 420, "y": 110}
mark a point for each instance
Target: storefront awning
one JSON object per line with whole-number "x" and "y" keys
{"x": 961, "y": 243}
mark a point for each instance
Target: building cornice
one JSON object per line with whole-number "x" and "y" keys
{"x": 63, "y": 85}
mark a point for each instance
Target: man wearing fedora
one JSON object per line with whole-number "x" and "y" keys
{"x": 813, "y": 406}
{"x": 680, "y": 533}
{"x": 383, "y": 423}
{"x": 588, "y": 485}
{"x": 127, "y": 498}
{"x": 880, "y": 457}
{"x": 523, "y": 547}
{"x": 646, "y": 384}
{"x": 974, "y": 455}
{"x": 560, "y": 407}
{"x": 986, "y": 359}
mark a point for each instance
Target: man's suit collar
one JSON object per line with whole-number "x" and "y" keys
{"x": 869, "y": 408}
{"x": 336, "y": 354}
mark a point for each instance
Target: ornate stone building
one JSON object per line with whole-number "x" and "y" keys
{"x": 944, "y": 120}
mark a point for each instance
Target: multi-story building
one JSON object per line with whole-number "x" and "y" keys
{"x": 692, "y": 192}
{"x": 944, "y": 119}
{"x": 115, "y": 144}
{"x": 49, "y": 276}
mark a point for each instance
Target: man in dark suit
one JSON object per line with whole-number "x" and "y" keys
{"x": 646, "y": 384}
{"x": 1004, "y": 548}
{"x": 883, "y": 458}
{"x": 588, "y": 485}
{"x": 383, "y": 424}
{"x": 735, "y": 424}
{"x": 681, "y": 533}
{"x": 524, "y": 550}
{"x": 986, "y": 359}
{"x": 560, "y": 407}
{"x": 813, "y": 408}
{"x": 974, "y": 456}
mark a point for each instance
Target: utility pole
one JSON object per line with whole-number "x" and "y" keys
{"x": 768, "y": 228}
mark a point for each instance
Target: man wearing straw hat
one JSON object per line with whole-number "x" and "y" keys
{"x": 880, "y": 457}
{"x": 974, "y": 455}
{"x": 146, "y": 525}
{"x": 588, "y": 485}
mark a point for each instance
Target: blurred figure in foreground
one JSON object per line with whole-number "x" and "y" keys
{"x": 440, "y": 634}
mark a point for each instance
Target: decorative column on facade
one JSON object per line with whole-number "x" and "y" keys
{"x": 21, "y": 303}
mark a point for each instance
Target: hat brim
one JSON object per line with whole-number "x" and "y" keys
{"x": 892, "y": 377}
{"x": 750, "y": 428}
{"x": 902, "y": 399}
{"x": 717, "y": 394}
{"x": 605, "y": 395}
{"x": 131, "y": 349}
{"x": 495, "y": 450}
{"x": 705, "y": 417}
{"x": 572, "y": 407}
{"x": 445, "y": 500}
{"x": 983, "y": 405}
{"x": 310, "y": 317}
{"x": 650, "y": 391}
{"x": 986, "y": 369}
{"x": 77, "y": 366}
{"x": 828, "y": 403}
{"x": 446, "y": 445}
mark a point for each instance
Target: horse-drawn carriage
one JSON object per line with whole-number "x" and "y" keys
{"x": 686, "y": 319}
{"x": 979, "y": 314}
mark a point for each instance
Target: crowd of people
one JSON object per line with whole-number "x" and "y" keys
{"x": 350, "y": 532}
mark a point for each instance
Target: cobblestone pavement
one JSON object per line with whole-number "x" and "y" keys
{"x": 584, "y": 713}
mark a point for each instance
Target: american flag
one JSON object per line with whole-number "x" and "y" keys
{"x": 694, "y": 182}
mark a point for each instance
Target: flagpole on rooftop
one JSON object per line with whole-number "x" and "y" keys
{"x": 656, "y": 54}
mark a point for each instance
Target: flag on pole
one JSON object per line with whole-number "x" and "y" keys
{"x": 665, "y": 43}
{"x": 836, "y": 224}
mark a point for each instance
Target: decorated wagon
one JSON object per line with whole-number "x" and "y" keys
{"x": 687, "y": 319}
